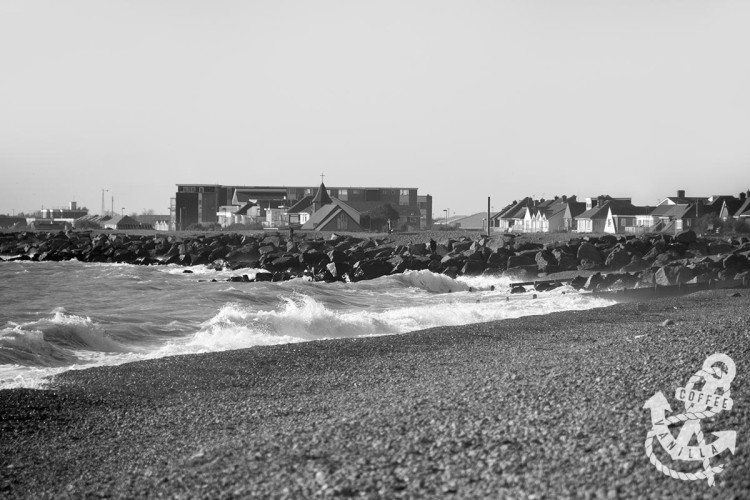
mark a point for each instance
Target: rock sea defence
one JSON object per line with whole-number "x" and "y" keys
{"x": 604, "y": 262}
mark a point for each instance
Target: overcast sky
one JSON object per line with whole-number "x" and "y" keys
{"x": 462, "y": 99}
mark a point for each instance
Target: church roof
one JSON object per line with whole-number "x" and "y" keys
{"x": 322, "y": 197}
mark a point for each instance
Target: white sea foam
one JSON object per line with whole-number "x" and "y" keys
{"x": 124, "y": 321}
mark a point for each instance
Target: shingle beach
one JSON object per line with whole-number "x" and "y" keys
{"x": 539, "y": 407}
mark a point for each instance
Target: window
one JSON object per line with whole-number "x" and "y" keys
{"x": 403, "y": 198}
{"x": 343, "y": 194}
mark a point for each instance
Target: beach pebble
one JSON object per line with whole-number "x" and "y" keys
{"x": 667, "y": 322}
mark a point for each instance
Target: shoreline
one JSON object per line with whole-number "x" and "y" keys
{"x": 540, "y": 405}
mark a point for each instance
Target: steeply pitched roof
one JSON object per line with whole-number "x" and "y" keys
{"x": 744, "y": 210}
{"x": 327, "y": 212}
{"x": 322, "y": 197}
{"x": 511, "y": 210}
{"x": 599, "y": 212}
{"x": 301, "y": 205}
{"x": 665, "y": 210}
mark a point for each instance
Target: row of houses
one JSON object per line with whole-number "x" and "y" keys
{"x": 605, "y": 214}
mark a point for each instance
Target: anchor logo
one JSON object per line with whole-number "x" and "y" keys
{"x": 711, "y": 399}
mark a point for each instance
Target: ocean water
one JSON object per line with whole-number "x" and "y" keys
{"x": 58, "y": 316}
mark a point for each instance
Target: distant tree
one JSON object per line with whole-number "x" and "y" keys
{"x": 708, "y": 223}
{"x": 147, "y": 211}
{"x": 378, "y": 217}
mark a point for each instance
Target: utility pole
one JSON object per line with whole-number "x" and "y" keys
{"x": 489, "y": 230}
{"x": 103, "y": 206}
{"x": 112, "y": 206}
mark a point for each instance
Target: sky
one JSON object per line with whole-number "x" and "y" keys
{"x": 464, "y": 100}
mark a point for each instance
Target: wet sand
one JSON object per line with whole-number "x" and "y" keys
{"x": 544, "y": 407}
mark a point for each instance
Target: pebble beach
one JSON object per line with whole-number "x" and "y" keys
{"x": 547, "y": 406}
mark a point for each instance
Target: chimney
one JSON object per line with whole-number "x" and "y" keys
{"x": 742, "y": 196}
{"x": 680, "y": 193}
{"x": 73, "y": 205}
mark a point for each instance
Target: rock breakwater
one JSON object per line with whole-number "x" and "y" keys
{"x": 604, "y": 262}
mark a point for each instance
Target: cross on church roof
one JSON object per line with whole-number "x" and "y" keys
{"x": 321, "y": 177}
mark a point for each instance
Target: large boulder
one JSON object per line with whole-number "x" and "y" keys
{"x": 545, "y": 260}
{"x": 618, "y": 258}
{"x": 719, "y": 247}
{"x": 473, "y": 268}
{"x": 587, "y": 251}
{"x": 521, "y": 260}
{"x": 566, "y": 261}
{"x": 674, "y": 274}
{"x": 686, "y": 237}
{"x": 370, "y": 269}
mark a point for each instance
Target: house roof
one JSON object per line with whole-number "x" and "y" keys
{"x": 619, "y": 209}
{"x": 599, "y": 212}
{"x": 510, "y": 210}
{"x": 733, "y": 204}
{"x": 684, "y": 201}
{"x": 666, "y": 210}
{"x": 744, "y": 210}
{"x": 301, "y": 205}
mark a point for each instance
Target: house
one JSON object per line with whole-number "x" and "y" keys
{"x": 744, "y": 211}
{"x": 512, "y": 215}
{"x": 593, "y": 219}
{"x": 730, "y": 206}
{"x": 609, "y": 215}
{"x": 325, "y": 213}
{"x": 678, "y": 213}
{"x": 622, "y": 217}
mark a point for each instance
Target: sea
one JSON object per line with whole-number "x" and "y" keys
{"x": 59, "y": 316}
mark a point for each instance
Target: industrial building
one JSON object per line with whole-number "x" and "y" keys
{"x": 215, "y": 203}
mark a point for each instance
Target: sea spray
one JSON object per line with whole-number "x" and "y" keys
{"x": 61, "y": 316}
